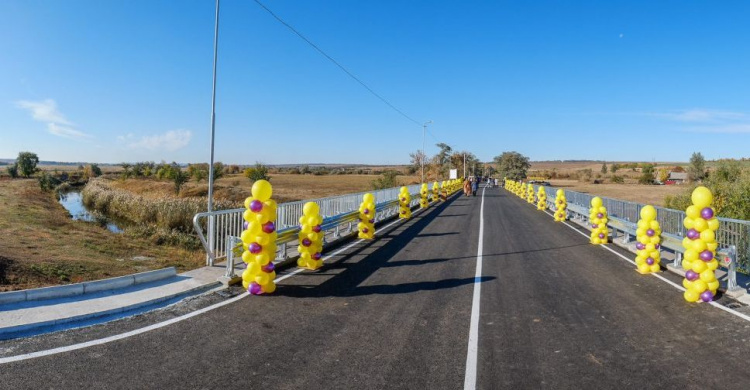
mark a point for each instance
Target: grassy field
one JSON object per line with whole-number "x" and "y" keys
{"x": 653, "y": 195}
{"x": 42, "y": 246}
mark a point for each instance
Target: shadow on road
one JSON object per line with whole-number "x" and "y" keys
{"x": 347, "y": 282}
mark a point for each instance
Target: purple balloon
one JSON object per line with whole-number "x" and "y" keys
{"x": 640, "y": 246}
{"x": 316, "y": 228}
{"x": 254, "y": 288}
{"x": 365, "y": 230}
{"x": 317, "y": 256}
{"x": 601, "y": 235}
{"x": 371, "y": 221}
{"x": 245, "y": 225}
{"x": 403, "y": 199}
{"x": 650, "y": 232}
{"x": 269, "y": 227}
{"x": 657, "y": 246}
{"x": 367, "y": 211}
{"x": 691, "y": 275}
{"x": 254, "y": 248}
{"x": 403, "y": 212}
{"x": 650, "y": 261}
{"x": 707, "y": 213}
{"x": 306, "y": 242}
{"x": 693, "y": 234}
{"x": 707, "y": 296}
{"x": 707, "y": 255}
{"x": 256, "y": 206}
{"x": 595, "y": 226}
{"x": 600, "y": 215}
{"x": 268, "y": 268}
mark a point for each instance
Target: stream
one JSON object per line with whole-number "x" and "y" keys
{"x": 73, "y": 202}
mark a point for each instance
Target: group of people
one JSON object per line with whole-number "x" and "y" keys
{"x": 471, "y": 185}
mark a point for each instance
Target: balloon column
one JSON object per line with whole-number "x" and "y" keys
{"x": 530, "y": 194}
{"x": 541, "y": 195}
{"x": 443, "y": 191}
{"x": 259, "y": 240}
{"x": 649, "y": 238}
{"x": 700, "y": 248}
{"x": 423, "y": 202}
{"x": 435, "y": 192}
{"x": 561, "y": 204}
{"x": 366, "y": 224}
{"x": 522, "y": 191}
{"x": 404, "y": 198}
{"x": 598, "y": 217}
{"x": 310, "y": 237}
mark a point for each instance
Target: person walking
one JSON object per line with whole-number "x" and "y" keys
{"x": 467, "y": 186}
{"x": 474, "y": 186}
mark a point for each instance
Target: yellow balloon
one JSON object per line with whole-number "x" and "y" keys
{"x": 262, "y": 278}
{"x": 247, "y": 202}
{"x": 699, "y": 286}
{"x": 655, "y": 268}
{"x": 596, "y": 202}
{"x": 268, "y": 288}
{"x": 643, "y": 268}
{"x": 698, "y": 266}
{"x": 713, "y": 224}
{"x": 311, "y": 209}
{"x": 700, "y": 224}
{"x": 686, "y": 283}
{"x": 712, "y": 246}
{"x": 687, "y": 264}
{"x": 708, "y": 235}
{"x": 691, "y": 296}
{"x": 648, "y": 213}
{"x": 702, "y": 197}
{"x": 707, "y": 275}
{"x": 262, "y": 190}
{"x": 713, "y": 286}
{"x": 247, "y": 276}
{"x": 688, "y": 222}
{"x": 712, "y": 265}
{"x": 693, "y": 212}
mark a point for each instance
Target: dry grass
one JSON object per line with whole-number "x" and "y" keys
{"x": 646, "y": 194}
{"x": 42, "y": 246}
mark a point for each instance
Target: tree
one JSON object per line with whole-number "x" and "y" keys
{"x": 604, "y": 168}
{"x": 179, "y": 178}
{"x": 457, "y": 161}
{"x": 697, "y": 168}
{"x": 512, "y": 165}
{"x": 663, "y": 175}
{"x": 647, "y": 174}
{"x": 26, "y": 163}
{"x": 417, "y": 159}
{"x": 259, "y": 172}
{"x": 615, "y": 167}
{"x": 386, "y": 180}
{"x": 12, "y": 170}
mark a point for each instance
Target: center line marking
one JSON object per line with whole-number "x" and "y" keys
{"x": 470, "y": 378}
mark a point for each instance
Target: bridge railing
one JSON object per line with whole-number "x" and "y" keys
{"x": 215, "y": 228}
{"x": 731, "y": 231}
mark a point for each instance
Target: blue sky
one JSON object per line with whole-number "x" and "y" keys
{"x": 116, "y": 80}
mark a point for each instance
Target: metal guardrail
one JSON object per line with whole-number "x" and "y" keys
{"x": 732, "y": 232}
{"x": 224, "y": 224}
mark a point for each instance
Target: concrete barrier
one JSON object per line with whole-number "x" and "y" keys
{"x": 86, "y": 287}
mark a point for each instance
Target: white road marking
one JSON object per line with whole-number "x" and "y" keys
{"x": 673, "y": 284}
{"x": 163, "y": 324}
{"x": 470, "y": 378}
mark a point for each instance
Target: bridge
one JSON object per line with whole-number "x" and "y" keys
{"x": 478, "y": 292}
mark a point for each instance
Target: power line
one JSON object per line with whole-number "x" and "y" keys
{"x": 335, "y": 62}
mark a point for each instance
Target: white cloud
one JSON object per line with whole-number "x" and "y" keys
{"x": 44, "y": 111}
{"x": 65, "y": 132}
{"x": 171, "y": 140}
{"x": 700, "y": 115}
{"x": 728, "y": 129}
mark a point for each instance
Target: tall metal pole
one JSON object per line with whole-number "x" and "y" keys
{"x": 424, "y": 129}
{"x": 211, "y": 242}
{"x": 464, "y": 164}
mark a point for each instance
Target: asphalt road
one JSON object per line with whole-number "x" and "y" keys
{"x": 395, "y": 313}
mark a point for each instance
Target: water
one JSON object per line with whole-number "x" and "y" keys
{"x": 73, "y": 202}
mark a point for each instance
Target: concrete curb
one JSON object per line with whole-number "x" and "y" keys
{"x": 86, "y": 287}
{"x": 10, "y": 332}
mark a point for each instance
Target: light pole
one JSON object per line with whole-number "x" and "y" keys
{"x": 211, "y": 227}
{"x": 464, "y": 165}
{"x": 424, "y": 130}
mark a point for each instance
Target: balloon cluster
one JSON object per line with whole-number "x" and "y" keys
{"x": 259, "y": 240}
{"x": 542, "y": 199}
{"x": 435, "y": 192}
{"x": 443, "y": 191}
{"x": 561, "y": 204}
{"x": 530, "y": 194}
{"x": 598, "y": 218}
{"x": 310, "y": 237}
{"x": 366, "y": 224}
{"x": 404, "y": 198}
{"x": 649, "y": 238}
{"x": 522, "y": 191}
{"x": 423, "y": 202}
{"x": 700, "y": 248}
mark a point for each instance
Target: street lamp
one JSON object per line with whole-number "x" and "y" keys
{"x": 424, "y": 129}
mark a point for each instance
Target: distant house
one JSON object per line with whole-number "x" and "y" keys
{"x": 677, "y": 178}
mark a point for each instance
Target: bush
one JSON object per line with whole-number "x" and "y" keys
{"x": 386, "y": 180}
{"x": 647, "y": 174}
{"x": 617, "y": 179}
{"x": 12, "y": 170}
{"x": 26, "y": 163}
{"x": 259, "y": 172}
{"x": 584, "y": 175}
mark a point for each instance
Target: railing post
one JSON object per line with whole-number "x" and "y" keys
{"x": 211, "y": 240}
{"x": 230, "y": 257}
{"x": 732, "y": 274}
{"x": 677, "y": 260}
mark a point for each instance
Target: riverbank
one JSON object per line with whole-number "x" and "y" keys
{"x": 43, "y": 246}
